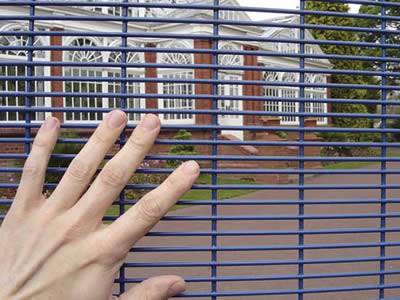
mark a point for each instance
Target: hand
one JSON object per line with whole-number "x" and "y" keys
{"x": 59, "y": 248}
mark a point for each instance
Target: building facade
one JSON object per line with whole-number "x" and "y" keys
{"x": 180, "y": 81}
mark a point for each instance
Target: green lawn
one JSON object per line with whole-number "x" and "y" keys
{"x": 360, "y": 164}
{"x": 199, "y": 195}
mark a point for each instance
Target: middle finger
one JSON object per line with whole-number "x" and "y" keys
{"x": 117, "y": 172}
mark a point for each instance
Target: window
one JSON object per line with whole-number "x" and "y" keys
{"x": 12, "y": 85}
{"x": 133, "y": 87}
{"x": 84, "y": 86}
{"x": 289, "y": 92}
{"x": 230, "y": 59}
{"x": 232, "y": 90}
{"x": 172, "y": 86}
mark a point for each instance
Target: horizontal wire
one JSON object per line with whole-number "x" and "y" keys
{"x": 228, "y": 158}
{"x": 220, "y": 51}
{"x": 195, "y": 142}
{"x": 262, "y": 83}
{"x": 169, "y": 20}
{"x": 263, "y": 248}
{"x": 272, "y": 217}
{"x": 255, "y": 202}
{"x": 242, "y": 263}
{"x": 196, "y": 97}
{"x": 197, "y": 37}
{"x": 287, "y": 187}
{"x": 190, "y": 6}
{"x": 232, "y": 233}
{"x": 221, "y": 67}
{"x": 93, "y": 125}
{"x": 202, "y": 112}
{"x": 275, "y": 277}
{"x": 249, "y": 293}
{"x": 247, "y": 171}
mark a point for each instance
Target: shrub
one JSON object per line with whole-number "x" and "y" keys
{"x": 62, "y": 148}
{"x": 180, "y": 149}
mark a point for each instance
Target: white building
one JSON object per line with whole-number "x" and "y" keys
{"x": 108, "y": 62}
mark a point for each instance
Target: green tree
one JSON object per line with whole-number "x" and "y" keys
{"x": 376, "y": 37}
{"x": 342, "y": 64}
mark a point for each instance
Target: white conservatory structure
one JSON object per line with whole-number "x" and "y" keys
{"x": 106, "y": 65}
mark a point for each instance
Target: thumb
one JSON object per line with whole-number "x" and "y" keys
{"x": 156, "y": 288}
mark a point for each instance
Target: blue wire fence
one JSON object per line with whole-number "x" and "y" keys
{"x": 295, "y": 132}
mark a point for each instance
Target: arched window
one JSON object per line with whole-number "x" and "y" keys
{"x": 230, "y": 59}
{"x": 84, "y": 55}
{"x": 173, "y": 87}
{"x": 176, "y": 58}
{"x": 84, "y": 86}
{"x": 132, "y": 87}
{"x": 10, "y": 85}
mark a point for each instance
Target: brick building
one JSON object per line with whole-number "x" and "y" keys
{"x": 102, "y": 58}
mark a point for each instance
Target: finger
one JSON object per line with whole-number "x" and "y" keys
{"x": 30, "y": 190}
{"x": 140, "y": 218}
{"x": 84, "y": 165}
{"x": 157, "y": 288}
{"x": 117, "y": 172}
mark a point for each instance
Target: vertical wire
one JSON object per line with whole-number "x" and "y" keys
{"x": 384, "y": 139}
{"x": 301, "y": 150}
{"x": 214, "y": 151}
{"x": 122, "y": 104}
{"x": 29, "y": 84}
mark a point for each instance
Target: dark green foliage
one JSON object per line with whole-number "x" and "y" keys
{"x": 341, "y": 64}
{"x": 377, "y": 37}
{"x": 180, "y": 149}
{"x": 62, "y": 148}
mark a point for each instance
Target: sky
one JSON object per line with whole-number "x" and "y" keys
{"x": 286, "y": 4}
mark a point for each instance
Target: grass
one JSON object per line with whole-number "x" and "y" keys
{"x": 392, "y": 152}
{"x": 203, "y": 195}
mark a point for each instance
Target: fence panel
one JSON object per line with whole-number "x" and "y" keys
{"x": 291, "y": 110}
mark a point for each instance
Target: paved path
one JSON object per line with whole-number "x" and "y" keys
{"x": 267, "y": 210}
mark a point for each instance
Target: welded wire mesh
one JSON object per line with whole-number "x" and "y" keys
{"x": 291, "y": 112}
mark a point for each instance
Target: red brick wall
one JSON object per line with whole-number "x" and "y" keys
{"x": 57, "y": 86}
{"x": 151, "y": 87}
{"x": 251, "y": 90}
{"x": 203, "y": 89}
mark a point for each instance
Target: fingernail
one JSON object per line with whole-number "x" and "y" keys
{"x": 150, "y": 122}
{"x": 177, "y": 288}
{"x": 191, "y": 167}
{"x": 50, "y": 124}
{"x": 116, "y": 119}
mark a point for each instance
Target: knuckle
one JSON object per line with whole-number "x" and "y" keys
{"x": 172, "y": 183}
{"x": 150, "y": 209}
{"x": 137, "y": 144}
{"x": 100, "y": 137}
{"x": 31, "y": 169}
{"x": 73, "y": 231}
{"x": 79, "y": 170}
{"x": 104, "y": 250}
{"x": 112, "y": 176}
{"x": 41, "y": 142}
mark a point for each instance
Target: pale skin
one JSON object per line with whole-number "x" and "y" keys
{"x": 59, "y": 248}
